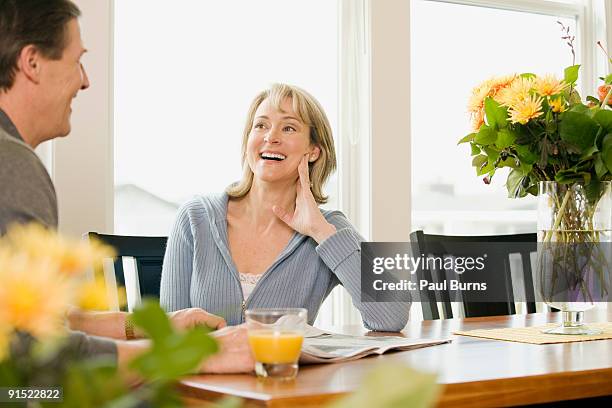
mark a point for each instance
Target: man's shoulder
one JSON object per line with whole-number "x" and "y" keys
{"x": 26, "y": 190}
{"x": 13, "y": 149}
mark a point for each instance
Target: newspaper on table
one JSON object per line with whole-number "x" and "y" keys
{"x": 324, "y": 347}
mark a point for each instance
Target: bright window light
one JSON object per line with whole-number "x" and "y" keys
{"x": 185, "y": 74}
{"x": 455, "y": 47}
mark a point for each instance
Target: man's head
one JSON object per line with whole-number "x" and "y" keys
{"x": 40, "y": 68}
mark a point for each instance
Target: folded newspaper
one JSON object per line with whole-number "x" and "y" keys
{"x": 325, "y": 347}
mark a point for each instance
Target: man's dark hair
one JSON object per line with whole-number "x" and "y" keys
{"x": 42, "y": 23}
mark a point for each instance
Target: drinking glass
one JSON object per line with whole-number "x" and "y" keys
{"x": 275, "y": 337}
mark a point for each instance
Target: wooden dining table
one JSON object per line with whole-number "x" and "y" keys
{"x": 472, "y": 371}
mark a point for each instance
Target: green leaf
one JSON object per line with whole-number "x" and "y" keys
{"x": 578, "y": 129}
{"x": 479, "y": 160}
{"x": 492, "y": 154}
{"x": 572, "y": 176}
{"x": 594, "y": 191}
{"x": 509, "y": 162}
{"x": 486, "y": 136}
{"x": 588, "y": 153}
{"x": 579, "y": 108}
{"x": 513, "y": 183}
{"x": 574, "y": 97}
{"x": 606, "y": 151}
{"x": 527, "y": 75}
{"x": 475, "y": 149}
{"x": 487, "y": 168}
{"x": 526, "y": 154}
{"x": 505, "y": 138}
{"x": 600, "y": 167}
{"x": 386, "y": 387}
{"x": 177, "y": 355}
{"x": 467, "y": 138}
{"x": 171, "y": 354}
{"x": 571, "y": 74}
{"x": 497, "y": 115}
{"x": 608, "y": 79}
{"x": 152, "y": 320}
{"x": 593, "y": 99}
{"x": 604, "y": 118}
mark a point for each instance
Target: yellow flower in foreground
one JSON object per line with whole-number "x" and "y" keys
{"x": 557, "y": 105}
{"x": 525, "y": 110}
{"x": 549, "y": 85}
{"x": 72, "y": 256}
{"x": 93, "y": 295}
{"x": 5, "y": 338}
{"x": 518, "y": 91}
{"x": 33, "y": 297}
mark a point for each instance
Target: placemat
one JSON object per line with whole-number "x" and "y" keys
{"x": 534, "y": 334}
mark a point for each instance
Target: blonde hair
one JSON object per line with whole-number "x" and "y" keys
{"x": 310, "y": 112}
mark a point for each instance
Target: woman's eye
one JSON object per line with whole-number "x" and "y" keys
{"x": 289, "y": 129}
{"x": 258, "y": 126}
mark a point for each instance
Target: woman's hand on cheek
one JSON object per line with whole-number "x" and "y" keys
{"x": 306, "y": 218}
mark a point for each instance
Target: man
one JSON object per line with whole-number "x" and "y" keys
{"x": 40, "y": 74}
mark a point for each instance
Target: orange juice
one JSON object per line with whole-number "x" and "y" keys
{"x": 273, "y": 347}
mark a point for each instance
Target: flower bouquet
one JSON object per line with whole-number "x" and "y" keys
{"x": 558, "y": 148}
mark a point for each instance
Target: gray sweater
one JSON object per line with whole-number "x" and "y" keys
{"x": 199, "y": 271}
{"x": 26, "y": 191}
{"x": 27, "y": 195}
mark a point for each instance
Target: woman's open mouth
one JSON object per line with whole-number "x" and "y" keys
{"x": 269, "y": 156}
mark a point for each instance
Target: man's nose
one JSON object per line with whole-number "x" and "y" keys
{"x": 84, "y": 78}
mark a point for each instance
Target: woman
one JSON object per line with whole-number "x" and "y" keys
{"x": 265, "y": 242}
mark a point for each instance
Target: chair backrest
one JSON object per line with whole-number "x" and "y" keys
{"x": 507, "y": 270}
{"x": 140, "y": 277}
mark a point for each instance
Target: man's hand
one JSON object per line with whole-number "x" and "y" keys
{"x": 188, "y": 318}
{"x": 234, "y": 355}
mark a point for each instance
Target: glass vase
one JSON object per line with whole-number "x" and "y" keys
{"x": 574, "y": 240}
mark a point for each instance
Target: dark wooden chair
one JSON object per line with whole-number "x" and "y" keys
{"x": 141, "y": 277}
{"x": 504, "y": 273}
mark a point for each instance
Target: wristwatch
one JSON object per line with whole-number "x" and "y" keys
{"x": 129, "y": 328}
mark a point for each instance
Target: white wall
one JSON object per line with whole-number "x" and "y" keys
{"x": 83, "y": 161}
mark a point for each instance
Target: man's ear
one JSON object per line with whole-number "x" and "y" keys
{"x": 314, "y": 153}
{"x": 29, "y": 62}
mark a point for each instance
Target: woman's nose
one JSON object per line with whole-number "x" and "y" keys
{"x": 272, "y": 137}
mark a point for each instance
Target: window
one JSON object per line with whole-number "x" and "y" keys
{"x": 185, "y": 74}
{"x": 454, "y": 48}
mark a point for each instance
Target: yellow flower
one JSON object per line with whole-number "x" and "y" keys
{"x": 33, "y": 297}
{"x": 489, "y": 88}
{"x": 93, "y": 295}
{"x": 525, "y": 110}
{"x": 557, "y": 105}
{"x": 518, "y": 90}
{"x": 73, "y": 257}
{"x": 5, "y": 339}
{"x": 549, "y": 85}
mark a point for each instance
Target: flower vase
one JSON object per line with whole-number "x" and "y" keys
{"x": 574, "y": 241}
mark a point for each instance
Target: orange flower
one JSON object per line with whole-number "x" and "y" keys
{"x": 603, "y": 91}
{"x": 489, "y": 88}
{"x": 525, "y": 110}
{"x": 548, "y": 85}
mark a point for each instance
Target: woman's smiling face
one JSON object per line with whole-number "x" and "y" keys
{"x": 277, "y": 142}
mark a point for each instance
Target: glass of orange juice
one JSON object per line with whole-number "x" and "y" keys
{"x": 275, "y": 337}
